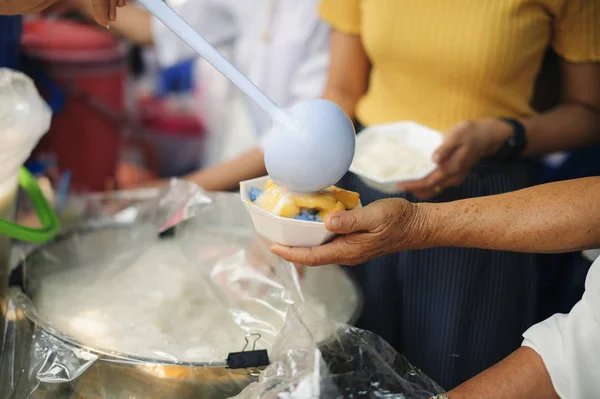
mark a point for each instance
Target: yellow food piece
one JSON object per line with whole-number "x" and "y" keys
{"x": 283, "y": 203}
{"x": 348, "y": 198}
{"x": 339, "y": 206}
{"x": 274, "y": 200}
{"x": 315, "y": 201}
{"x": 269, "y": 184}
{"x": 289, "y": 211}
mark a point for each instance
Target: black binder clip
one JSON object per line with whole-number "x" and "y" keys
{"x": 250, "y": 359}
{"x": 167, "y": 233}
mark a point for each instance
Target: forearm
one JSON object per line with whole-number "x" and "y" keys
{"x": 567, "y": 127}
{"x": 227, "y": 175}
{"x": 345, "y": 86}
{"x": 133, "y": 23}
{"x": 520, "y": 375}
{"x": 557, "y": 217}
{"x": 576, "y": 121}
{"x": 346, "y": 100}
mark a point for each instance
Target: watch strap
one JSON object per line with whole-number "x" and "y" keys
{"x": 511, "y": 150}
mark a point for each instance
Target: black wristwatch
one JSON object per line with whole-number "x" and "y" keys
{"x": 515, "y": 145}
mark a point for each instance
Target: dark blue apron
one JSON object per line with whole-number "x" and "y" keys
{"x": 10, "y": 37}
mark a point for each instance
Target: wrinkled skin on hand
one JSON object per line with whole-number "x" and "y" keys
{"x": 383, "y": 227}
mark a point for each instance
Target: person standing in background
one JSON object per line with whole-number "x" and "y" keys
{"x": 467, "y": 69}
{"x": 281, "y": 45}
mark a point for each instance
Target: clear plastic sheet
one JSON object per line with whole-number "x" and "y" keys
{"x": 350, "y": 363}
{"x": 119, "y": 311}
{"x": 24, "y": 119}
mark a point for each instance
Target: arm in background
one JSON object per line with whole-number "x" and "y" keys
{"x": 134, "y": 23}
{"x": 348, "y": 77}
{"x": 137, "y": 25}
{"x": 102, "y": 11}
{"x": 575, "y": 122}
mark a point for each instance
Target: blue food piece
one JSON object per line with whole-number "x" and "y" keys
{"x": 254, "y": 193}
{"x": 309, "y": 215}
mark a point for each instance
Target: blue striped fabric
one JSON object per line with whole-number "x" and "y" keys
{"x": 452, "y": 312}
{"x": 10, "y": 36}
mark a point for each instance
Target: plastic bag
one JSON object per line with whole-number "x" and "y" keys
{"x": 351, "y": 363}
{"x": 24, "y": 119}
{"x": 118, "y": 310}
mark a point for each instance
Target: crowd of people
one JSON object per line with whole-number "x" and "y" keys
{"x": 448, "y": 266}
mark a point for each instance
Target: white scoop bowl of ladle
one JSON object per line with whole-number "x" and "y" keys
{"x": 310, "y": 146}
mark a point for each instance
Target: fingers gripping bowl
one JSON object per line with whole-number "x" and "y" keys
{"x": 306, "y": 230}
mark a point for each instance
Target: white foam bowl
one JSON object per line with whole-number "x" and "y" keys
{"x": 284, "y": 231}
{"x": 418, "y": 137}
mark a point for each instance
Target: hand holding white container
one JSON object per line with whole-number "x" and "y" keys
{"x": 283, "y": 230}
{"x": 389, "y": 154}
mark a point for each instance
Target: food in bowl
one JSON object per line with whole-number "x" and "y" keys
{"x": 386, "y": 157}
{"x": 300, "y": 206}
{"x": 390, "y": 154}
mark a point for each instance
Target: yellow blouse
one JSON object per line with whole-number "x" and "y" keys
{"x": 438, "y": 62}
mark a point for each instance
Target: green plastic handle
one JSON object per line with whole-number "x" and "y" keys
{"x": 42, "y": 209}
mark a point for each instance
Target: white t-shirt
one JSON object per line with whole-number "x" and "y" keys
{"x": 570, "y": 344}
{"x": 281, "y": 45}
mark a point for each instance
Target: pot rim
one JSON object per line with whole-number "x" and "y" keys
{"x": 18, "y": 278}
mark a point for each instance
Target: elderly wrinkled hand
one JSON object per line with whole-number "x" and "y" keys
{"x": 104, "y": 11}
{"x": 464, "y": 146}
{"x": 383, "y": 227}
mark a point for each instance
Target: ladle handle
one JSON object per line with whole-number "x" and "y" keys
{"x": 181, "y": 28}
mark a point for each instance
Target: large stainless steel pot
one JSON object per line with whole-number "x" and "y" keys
{"x": 118, "y": 375}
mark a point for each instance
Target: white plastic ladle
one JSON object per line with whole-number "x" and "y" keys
{"x": 311, "y": 145}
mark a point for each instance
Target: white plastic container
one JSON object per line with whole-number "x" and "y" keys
{"x": 411, "y": 134}
{"x": 284, "y": 231}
